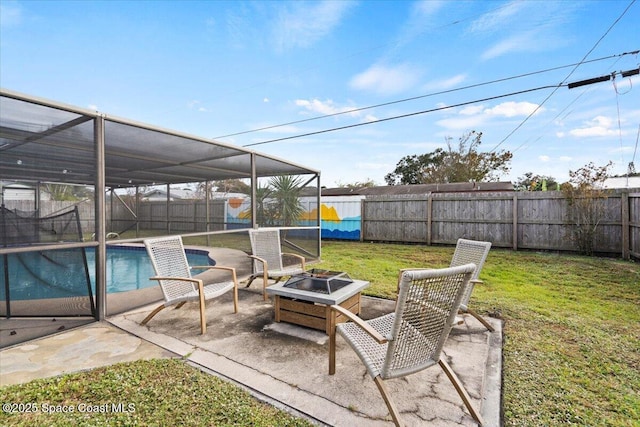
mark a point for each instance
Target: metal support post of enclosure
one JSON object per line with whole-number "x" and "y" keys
{"x": 101, "y": 224}
{"x": 254, "y": 185}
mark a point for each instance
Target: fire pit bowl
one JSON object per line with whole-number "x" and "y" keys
{"x": 320, "y": 281}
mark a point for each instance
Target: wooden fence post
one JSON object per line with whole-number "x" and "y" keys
{"x": 624, "y": 205}
{"x": 362, "y": 220}
{"x": 515, "y": 221}
{"x": 429, "y": 217}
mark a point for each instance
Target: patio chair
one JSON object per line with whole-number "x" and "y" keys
{"x": 174, "y": 277}
{"x": 471, "y": 251}
{"x": 411, "y": 338}
{"x": 268, "y": 258}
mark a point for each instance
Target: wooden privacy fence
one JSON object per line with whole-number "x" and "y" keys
{"x": 517, "y": 220}
{"x": 179, "y": 216}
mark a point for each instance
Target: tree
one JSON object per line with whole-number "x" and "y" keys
{"x": 531, "y": 182}
{"x": 286, "y": 191}
{"x": 364, "y": 184}
{"x": 264, "y": 216}
{"x": 67, "y": 193}
{"x": 461, "y": 163}
{"x": 586, "y": 197}
{"x": 223, "y": 186}
{"x": 232, "y": 186}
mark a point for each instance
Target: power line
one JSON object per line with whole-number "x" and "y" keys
{"x": 610, "y": 76}
{"x": 384, "y": 104}
{"x": 566, "y": 78}
{"x": 561, "y": 112}
{"x": 635, "y": 150}
{"x": 390, "y": 45}
{"x": 401, "y": 116}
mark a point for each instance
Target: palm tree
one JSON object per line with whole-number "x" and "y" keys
{"x": 264, "y": 217}
{"x": 286, "y": 191}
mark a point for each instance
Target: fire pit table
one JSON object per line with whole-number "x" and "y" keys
{"x": 305, "y": 298}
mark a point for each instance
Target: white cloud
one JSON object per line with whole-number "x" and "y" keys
{"x": 445, "y": 83}
{"x": 524, "y": 27}
{"x": 301, "y": 24}
{"x": 544, "y": 158}
{"x": 512, "y": 109}
{"x": 420, "y": 20}
{"x": 328, "y": 107}
{"x": 385, "y": 80}
{"x": 324, "y": 107}
{"x": 592, "y": 131}
{"x": 598, "y": 126}
{"x": 518, "y": 43}
{"x": 602, "y": 121}
{"x": 265, "y": 100}
{"x": 472, "y": 110}
{"x": 495, "y": 20}
{"x": 473, "y": 116}
{"x": 197, "y": 105}
{"x": 566, "y": 158}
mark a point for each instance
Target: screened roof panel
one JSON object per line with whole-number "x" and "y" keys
{"x": 45, "y": 141}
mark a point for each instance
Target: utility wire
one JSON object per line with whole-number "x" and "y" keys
{"x": 635, "y": 150}
{"x": 566, "y": 78}
{"x": 561, "y": 112}
{"x": 384, "y": 104}
{"x": 402, "y": 115}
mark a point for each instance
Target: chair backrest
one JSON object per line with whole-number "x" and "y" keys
{"x": 425, "y": 311}
{"x": 265, "y": 243}
{"x": 169, "y": 260}
{"x": 470, "y": 251}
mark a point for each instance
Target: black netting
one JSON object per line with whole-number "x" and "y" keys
{"x": 19, "y": 228}
{"x": 53, "y": 282}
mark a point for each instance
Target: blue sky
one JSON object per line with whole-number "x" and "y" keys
{"x": 215, "y": 68}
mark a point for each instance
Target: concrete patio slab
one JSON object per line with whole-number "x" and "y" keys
{"x": 285, "y": 365}
{"x": 288, "y": 364}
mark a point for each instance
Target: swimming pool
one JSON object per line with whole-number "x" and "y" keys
{"x": 60, "y": 274}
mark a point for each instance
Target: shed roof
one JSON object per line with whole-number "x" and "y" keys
{"x": 41, "y": 140}
{"x": 387, "y": 190}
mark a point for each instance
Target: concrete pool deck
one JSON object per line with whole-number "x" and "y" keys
{"x": 28, "y": 322}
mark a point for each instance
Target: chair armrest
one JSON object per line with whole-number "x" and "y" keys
{"x": 232, "y": 270}
{"x": 257, "y": 258}
{"x": 476, "y": 281}
{"x": 299, "y": 257}
{"x": 212, "y": 267}
{"x": 361, "y": 323}
{"x": 183, "y": 279}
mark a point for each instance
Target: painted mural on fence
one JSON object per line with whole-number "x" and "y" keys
{"x": 340, "y": 216}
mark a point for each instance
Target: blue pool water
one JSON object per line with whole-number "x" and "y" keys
{"x": 58, "y": 274}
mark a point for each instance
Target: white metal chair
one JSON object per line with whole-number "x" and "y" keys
{"x": 174, "y": 277}
{"x": 410, "y": 339}
{"x": 268, "y": 258}
{"x": 476, "y": 252}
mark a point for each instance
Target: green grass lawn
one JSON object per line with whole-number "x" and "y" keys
{"x": 571, "y": 351}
